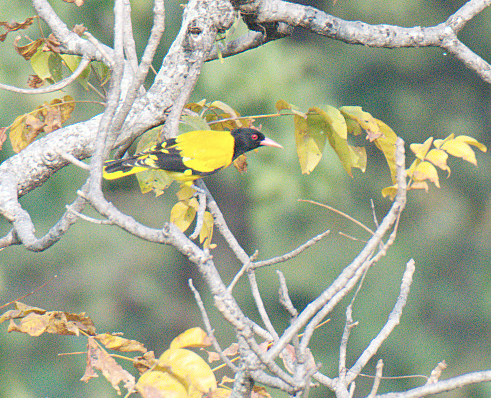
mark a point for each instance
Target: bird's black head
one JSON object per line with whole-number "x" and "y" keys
{"x": 247, "y": 139}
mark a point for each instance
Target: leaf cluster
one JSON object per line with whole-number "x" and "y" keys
{"x": 44, "y": 119}
{"x": 178, "y": 372}
{"x": 423, "y": 168}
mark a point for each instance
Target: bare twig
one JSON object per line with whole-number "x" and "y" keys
{"x": 84, "y": 62}
{"x": 442, "y": 386}
{"x": 360, "y": 224}
{"x": 72, "y": 159}
{"x": 436, "y": 373}
{"x": 260, "y": 304}
{"x": 347, "y": 279}
{"x": 378, "y": 377}
{"x": 289, "y": 255}
{"x": 284, "y": 297}
{"x": 250, "y": 264}
{"x": 209, "y": 329}
{"x": 392, "y": 322}
{"x": 201, "y": 212}
{"x": 87, "y": 218}
{"x": 443, "y": 35}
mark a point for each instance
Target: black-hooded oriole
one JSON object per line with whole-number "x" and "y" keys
{"x": 191, "y": 155}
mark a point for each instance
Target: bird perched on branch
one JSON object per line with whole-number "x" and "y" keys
{"x": 191, "y": 155}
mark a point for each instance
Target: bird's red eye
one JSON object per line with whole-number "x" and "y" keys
{"x": 254, "y": 137}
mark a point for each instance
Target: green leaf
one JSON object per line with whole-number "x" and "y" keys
{"x": 72, "y": 62}
{"x": 54, "y": 64}
{"x": 192, "y": 123}
{"x": 102, "y": 71}
{"x": 40, "y": 64}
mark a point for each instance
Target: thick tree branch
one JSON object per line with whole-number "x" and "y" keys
{"x": 443, "y": 35}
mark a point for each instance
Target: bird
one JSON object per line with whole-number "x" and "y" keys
{"x": 191, "y": 155}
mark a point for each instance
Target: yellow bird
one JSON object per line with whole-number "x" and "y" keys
{"x": 191, "y": 155}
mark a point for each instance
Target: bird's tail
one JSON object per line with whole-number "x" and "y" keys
{"x": 114, "y": 169}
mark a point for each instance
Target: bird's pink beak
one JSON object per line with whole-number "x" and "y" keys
{"x": 270, "y": 142}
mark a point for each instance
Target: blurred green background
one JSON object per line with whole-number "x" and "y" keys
{"x": 140, "y": 289}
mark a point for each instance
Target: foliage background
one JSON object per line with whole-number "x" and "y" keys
{"x": 141, "y": 289}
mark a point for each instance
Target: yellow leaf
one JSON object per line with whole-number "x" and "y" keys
{"x": 259, "y": 391}
{"x": 194, "y": 337}
{"x": 364, "y": 119}
{"x": 156, "y": 384}
{"x": 153, "y": 180}
{"x": 118, "y": 343}
{"x": 206, "y": 233}
{"x": 419, "y": 185}
{"x": 439, "y": 159}
{"x": 426, "y": 171}
{"x": 67, "y": 106}
{"x": 40, "y": 63}
{"x": 460, "y": 149}
{"x": 390, "y": 191}
{"x": 196, "y": 107}
{"x": 420, "y": 150}
{"x": 387, "y": 144}
{"x": 221, "y": 393}
{"x": 438, "y": 143}
{"x": 334, "y": 119}
{"x": 310, "y": 138}
{"x": 20, "y": 311}
{"x": 189, "y": 368}
{"x": 183, "y": 214}
{"x": 283, "y": 105}
{"x": 185, "y": 192}
{"x": 471, "y": 141}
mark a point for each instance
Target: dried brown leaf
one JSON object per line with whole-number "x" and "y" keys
{"x": 28, "y": 50}
{"x": 144, "y": 362}
{"x": 56, "y": 322}
{"x": 11, "y": 26}
{"x": 98, "y": 359}
{"x": 79, "y": 29}
{"x": 20, "y": 311}
{"x": 241, "y": 163}
{"x": 34, "y": 81}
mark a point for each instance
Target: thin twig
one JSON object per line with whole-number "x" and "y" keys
{"x": 436, "y": 373}
{"x": 201, "y": 213}
{"x": 88, "y": 218}
{"x": 72, "y": 159}
{"x": 209, "y": 329}
{"x": 378, "y": 378}
{"x": 442, "y": 386}
{"x": 107, "y": 58}
{"x": 347, "y": 279}
{"x": 392, "y": 322}
{"x": 284, "y": 297}
{"x": 289, "y": 255}
{"x": 84, "y": 62}
{"x": 360, "y": 224}
{"x": 260, "y": 304}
